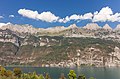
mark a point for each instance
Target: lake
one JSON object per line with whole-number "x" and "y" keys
{"x": 97, "y": 72}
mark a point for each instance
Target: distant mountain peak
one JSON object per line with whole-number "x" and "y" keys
{"x": 4, "y": 24}
{"x": 20, "y": 28}
{"x": 92, "y": 26}
{"x": 107, "y": 27}
{"x": 117, "y": 27}
{"x": 73, "y": 26}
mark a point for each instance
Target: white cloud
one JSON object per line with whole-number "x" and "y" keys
{"x": 44, "y": 16}
{"x": 64, "y": 20}
{"x": 87, "y": 16}
{"x": 61, "y": 20}
{"x": 1, "y": 17}
{"x": 76, "y": 17}
{"x": 115, "y": 17}
{"x": 28, "y": 13}
{"x": 11, "y": 16}
{"x": 105, "y": 11}
{"x": 48, "y": 17}
{"x": 67, "y": 18}
{"x": 102, "y": 15}
{"x": 105, "y": 14}
{"x": 95, "y": 13}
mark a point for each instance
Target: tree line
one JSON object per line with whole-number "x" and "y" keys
{"x": 18, "y": 74}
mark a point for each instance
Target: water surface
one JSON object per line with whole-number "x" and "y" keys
{"x": 97, "y": 72}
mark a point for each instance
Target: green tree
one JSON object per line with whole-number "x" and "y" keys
{"x": 81, "y": 77}
{"x": 17, "y": 72}
{"x": 2, "y": 68}
{"x": 25, "y": 76}
{"x": 72, "y": 74}
{"x": 8, "y": 73}
{"x": 47, "y": 76}
{"x": 41, "y": 76}
{"x": 34, "y": 76}
{"x": 2, "y": 71}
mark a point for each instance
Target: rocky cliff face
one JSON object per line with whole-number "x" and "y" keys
{"x": 59, "y": 46}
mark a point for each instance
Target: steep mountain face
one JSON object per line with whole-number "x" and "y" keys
{"x": 55, "y": 50}
{"x": 59, "y": 46}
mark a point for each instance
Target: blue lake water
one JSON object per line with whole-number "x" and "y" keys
{"x": 97, "y": 72}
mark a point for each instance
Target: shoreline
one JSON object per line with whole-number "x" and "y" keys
{"x": 60, "y": 67}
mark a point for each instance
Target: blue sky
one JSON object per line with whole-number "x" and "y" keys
{"x": 51, "y": 13}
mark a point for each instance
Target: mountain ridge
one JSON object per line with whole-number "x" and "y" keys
{"x": 90, "y": 26}
{"x": 26, "y": 45}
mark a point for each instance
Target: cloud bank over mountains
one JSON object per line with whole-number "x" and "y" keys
{"x": 105, "y": 14}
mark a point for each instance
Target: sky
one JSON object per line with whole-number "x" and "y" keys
{"x": 50, "y": 13}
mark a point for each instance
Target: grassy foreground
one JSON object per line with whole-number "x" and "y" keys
{"x": 17, "y": 74}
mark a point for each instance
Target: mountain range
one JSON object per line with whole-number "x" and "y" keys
{"x": 29, "y": 28}
{"x": 59, "y": 46}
